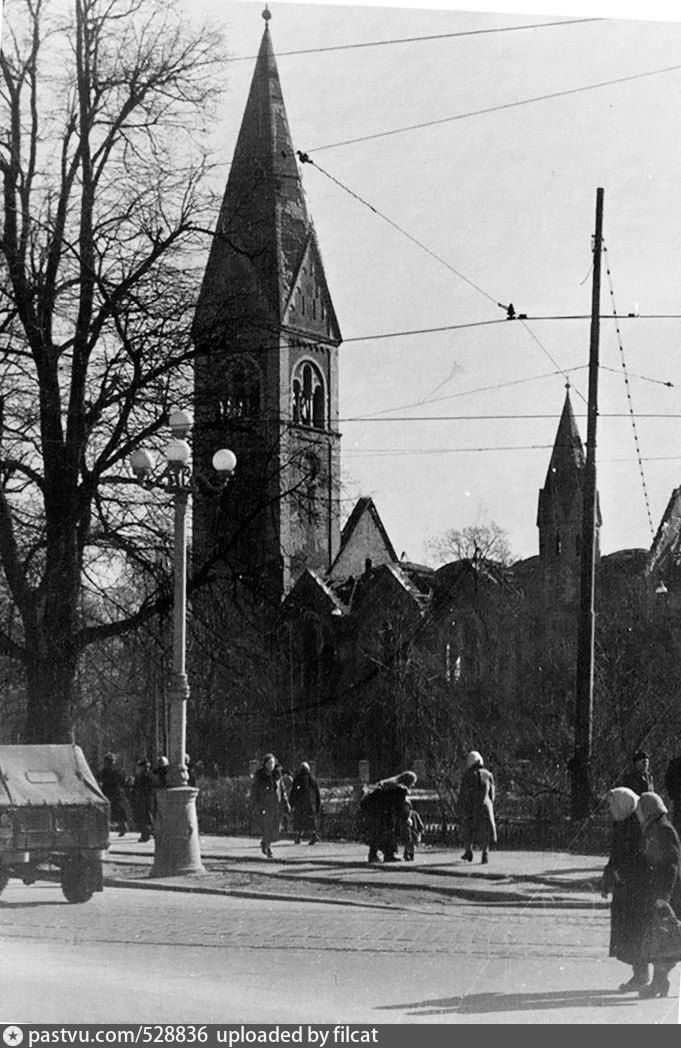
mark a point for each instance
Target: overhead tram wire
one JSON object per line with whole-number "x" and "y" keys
{"x": 550, "y": 357}
{"x": 630, "y": 401}
{"x": 421, "y": 39}
{"x": 306, "y": 159}
{"x": 497, "y": 109}
{"x": 511, "y": 314}
{"x": 468, "y": 392}
{"x": 487, "y": 389}
{"x": 380, "y": 452}
{"x": 499, "y": 320}
{"x": 666, "y": 416}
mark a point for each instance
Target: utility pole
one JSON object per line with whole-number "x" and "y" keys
{"x": 580, "y": 765}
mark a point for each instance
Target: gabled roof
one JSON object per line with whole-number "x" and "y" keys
{"x": 308, "y": 591}
{"x": 363, "y": 538}
{"x": 264, "y": 231}
{"x": 385, "y": 588}
{"x": 666, "y": 541}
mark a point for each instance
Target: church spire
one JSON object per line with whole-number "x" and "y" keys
{"x": 567, "y": 458}
{"x": 559, "y": 515}
{"x": 264, "y": 229}
{"x": 266, "y": 369}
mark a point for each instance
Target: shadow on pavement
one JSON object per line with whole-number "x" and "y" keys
{"x": 481, "y": 1003}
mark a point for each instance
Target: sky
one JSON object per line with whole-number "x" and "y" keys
{"x": 453, "y": 176}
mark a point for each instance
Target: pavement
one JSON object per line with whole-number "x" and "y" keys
{"x": 337, "y": 872}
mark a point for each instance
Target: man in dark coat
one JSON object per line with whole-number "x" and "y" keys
{"x": 639, "y": 777}
{"x": 112, "y": 781}
{"x": 385, "y": 813}
{"x": 672, "y": 784}
{"x": 268, "y": 802}
{"x": 143, "y": 799}
{"x": 306, "y": 804}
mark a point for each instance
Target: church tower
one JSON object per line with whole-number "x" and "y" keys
{"x": 559, "y": 516}
{"x": 266, "y": 370}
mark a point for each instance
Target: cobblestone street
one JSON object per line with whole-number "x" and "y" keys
{"x": 151, "y": 956}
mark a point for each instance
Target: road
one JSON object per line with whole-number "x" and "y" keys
{"x": 165, "y": 957}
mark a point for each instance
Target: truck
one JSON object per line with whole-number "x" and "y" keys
{"x": 53, "y": 817}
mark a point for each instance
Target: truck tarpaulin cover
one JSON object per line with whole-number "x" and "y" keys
{"x": 36, "y": 775}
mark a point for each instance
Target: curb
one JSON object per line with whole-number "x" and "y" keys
{"x": 490, "y": 898}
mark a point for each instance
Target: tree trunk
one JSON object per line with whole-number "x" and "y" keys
{"x": 50, "y": 680}
{"x": 52, "y": 644}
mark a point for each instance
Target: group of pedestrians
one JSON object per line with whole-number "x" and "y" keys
{"x": 390, "y": 819}
{"x": 132, "y": 798}
{"x": 643, "y": 875}
{"x": 272, "y": 802}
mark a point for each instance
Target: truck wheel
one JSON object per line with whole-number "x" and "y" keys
{"x": 76, "y": 882}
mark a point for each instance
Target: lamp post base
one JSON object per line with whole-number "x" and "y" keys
{"x": 176, "y": 833}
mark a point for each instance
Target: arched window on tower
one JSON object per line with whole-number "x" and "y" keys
{"x": 241, "y": 392}
{"x": 308, "y": 396}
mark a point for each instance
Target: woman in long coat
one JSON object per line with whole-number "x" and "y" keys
{"x": 663, "y": 852}
{"x": 306, "y": 803}
{"x": 476, "y": 807}
{"x": 627, "y": 876}
{"x": 268, "y": 802}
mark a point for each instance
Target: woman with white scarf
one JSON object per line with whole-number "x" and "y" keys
{"x": 627, "y": 877}
{"x": 663, "y": 853}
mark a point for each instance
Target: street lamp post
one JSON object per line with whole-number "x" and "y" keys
{"x": 176, "y": 833}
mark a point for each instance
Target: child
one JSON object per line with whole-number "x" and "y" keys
{"x": 415, "y": 830}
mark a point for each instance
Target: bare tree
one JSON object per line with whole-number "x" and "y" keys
{"x": 99, "y": 105}
{"x": 486, "y": 541}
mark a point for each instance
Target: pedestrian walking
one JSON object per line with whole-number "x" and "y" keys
{"x": 639, "y": 777}
{"x": 672, "y": 784}
{"x": 385, "y": 812}
{"x": 306, "y": 805}
{"x": 663, "y": 852}
{"x": 143, "y": 799}
{"x": 476, "y": 808}
{"x": 268, "y": 802}
{"x": 627, "y": 878}
{"x": 112, "y": 781}
{"x": 286, "y": 782}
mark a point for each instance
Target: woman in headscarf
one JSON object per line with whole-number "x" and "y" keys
{"x": 663, "y": 852}
{"x": 627, "y": 877}
{"x": 305, "y": 800}
{"x": 476, "y": 807}
{"x": 268, "y": 802}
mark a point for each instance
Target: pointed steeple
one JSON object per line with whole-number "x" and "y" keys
{"x": 264, "y": 231}
{"x": 559, "y": 514}
{"x": 567, "y": 463}
{"x": 266, "y": 367}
